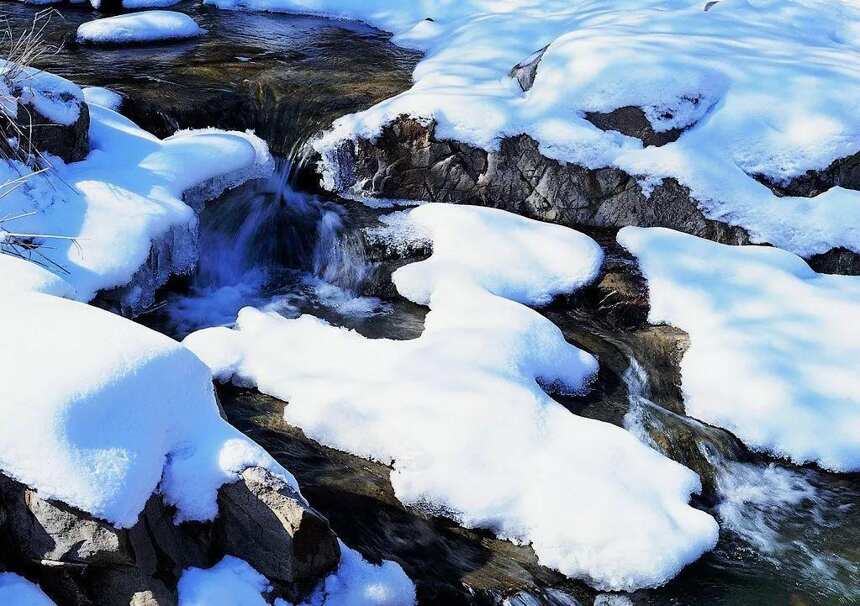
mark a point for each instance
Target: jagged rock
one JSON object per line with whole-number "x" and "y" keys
{"x": 266, "y": 523}
{"x": 844, "y": 172}
{"x": 525, "y": 71}
{"x": 407, "y": 162}
{"x": 51, "y": 531}
{"x": 633, "y": 122}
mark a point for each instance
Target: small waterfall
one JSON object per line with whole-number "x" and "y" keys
{"x": 269, "y": 246}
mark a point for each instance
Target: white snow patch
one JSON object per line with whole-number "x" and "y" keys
{"x": 18, "y": 275}
{"x": 99, "y": 411}
{"x": 592, "y": 501}
{"x": 146, "y": 26}
{"x": 97, "y": 95}
{"x": 127, "y": 194}
{"x": 769, "y": 87}
{"x": 18, "y": 591}
{"x": 773, "y": 348}
{"x": 231, "y": 582}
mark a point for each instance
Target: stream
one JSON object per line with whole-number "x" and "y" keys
{"x": 789, "y": 535}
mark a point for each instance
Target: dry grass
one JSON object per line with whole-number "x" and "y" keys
{"x": 21, "y": 49}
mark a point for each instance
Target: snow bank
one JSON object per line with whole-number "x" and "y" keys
{"x": 97, "y": 95}
{"x": 767, "y": 85}
{"x": 18, "y": 591}
{"x": 355, "y": 583}
{"x": 132, "y": 28}
{"x": 53, "y": 97}
{"x": 129, "y": 193}
{"x": 460, "y": 413}
{"x": 773, "y": 345}
{"x": 18, "y": 275}
{"x": 98, "y": 411}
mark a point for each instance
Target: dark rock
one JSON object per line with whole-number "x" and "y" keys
{"x": 844, "y": 172}
{"x": 711, "y": 4}
{"x": 525, "y": 71}
{"x": 266, "y": 523}
{"x": 38, "y": 134}
{"x": 407, "y": 162}
{"x": 633, "y": 122}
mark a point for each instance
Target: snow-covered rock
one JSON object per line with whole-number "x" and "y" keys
{"x": 18, "y": 275}
{"x": 138, "y": 28}
{"x": 124, "y": 208}
{"x": 773, "y": 345}
{"x": 18, "y": 591}
{"x": 592, "y": 501}
{"x": 99, "y": 411}
{"x": 746, "y": 115}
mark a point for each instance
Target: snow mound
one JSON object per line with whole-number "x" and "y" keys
{"x": 231, "y": 582}
{"x": 127, "y": 195}
{"x": 767, "y": 87}
{"x": 18, "y": 275}
{"x": 593, "y": 502}
{"x": 99, "y": 411}
{"x": 18, "y": 591}
{"x": 773, "y": 347}
{"x": 134, "y": 28}
{"x": 97, "y": 95}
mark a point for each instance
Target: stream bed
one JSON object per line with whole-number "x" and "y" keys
{"x": 788, "y": 535}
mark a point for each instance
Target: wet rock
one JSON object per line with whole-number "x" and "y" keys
{"x": 266, "y": 523}
{"x": 525, "y": 71}
{"x": 633, "y": 122}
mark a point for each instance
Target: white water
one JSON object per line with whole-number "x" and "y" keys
{"x": 800, "y": 523}
{"x": 267, "y": 246}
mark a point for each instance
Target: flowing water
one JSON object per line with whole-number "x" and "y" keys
{"x": 789, "y": 535}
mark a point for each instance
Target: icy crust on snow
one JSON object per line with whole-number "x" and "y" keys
{"x": 593, "y": 501}
{"x": 355, "y": 583}
{"x": 54, "y": 97}
{"x": 18, "y": 591}
{"x": 768, "y": 87}
{"x": 99, "y": 411}
{"x": 760, "y": 318}
{"x": 146, "y": 26}
{"x": 127, "y": 195}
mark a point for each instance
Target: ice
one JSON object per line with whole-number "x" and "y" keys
{"x": 135, "y": 28}
{"x": 18, "y": 591}
{"x": 99, "y": 412}
{"x": 460, "y": 413}
{"x": 773, "y": 352}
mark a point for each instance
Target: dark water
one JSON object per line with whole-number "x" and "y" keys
{"x": 790, "y": 536}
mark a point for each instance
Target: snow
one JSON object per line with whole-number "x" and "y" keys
{"x": 128, "y": 194}
{"x": 97, "y": 95}
{"x": 99, "y": 412}
{"x": 55, "y": 98}
{"x": 774, "y": 84}
{"x": 356, "y": 582}
{"x": 146, "y": 26}
{"x": 19, "y": 275}
{"x": 231, "y": 582}
{"x": 773, "y": 348}
{"x": 592, "y": 501}
{"x": 18, "y": 591}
